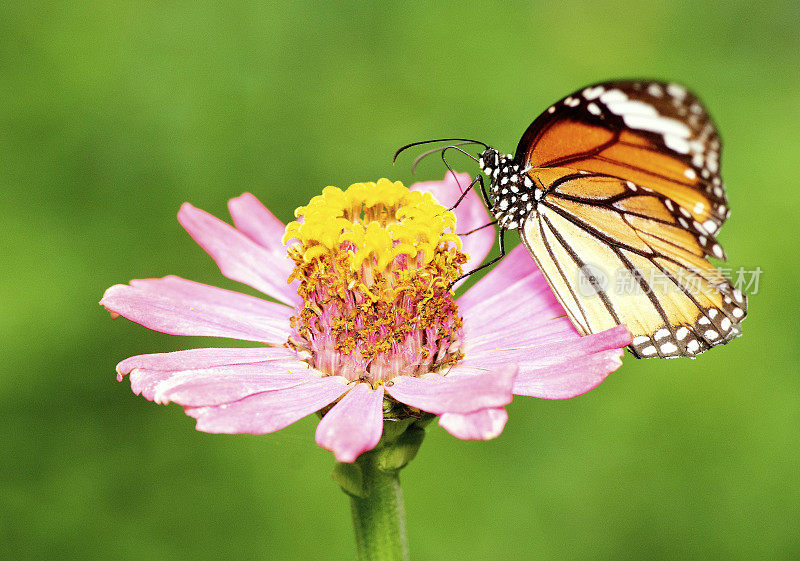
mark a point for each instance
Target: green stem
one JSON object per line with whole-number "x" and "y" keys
{"x": 379, "y": 517}
{"x": 373, "y": 484}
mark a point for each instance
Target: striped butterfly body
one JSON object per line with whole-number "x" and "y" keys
{"x": 615, "y": 191}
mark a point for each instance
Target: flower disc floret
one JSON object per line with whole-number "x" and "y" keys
{"x": 375, "y": 263}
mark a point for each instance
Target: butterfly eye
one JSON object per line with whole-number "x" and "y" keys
{"x": 488, "y": 159}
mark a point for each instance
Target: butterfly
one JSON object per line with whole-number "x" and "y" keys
{"x": 616, "y": 193}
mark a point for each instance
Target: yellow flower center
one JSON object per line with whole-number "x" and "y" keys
{"x": 375, "y": 262}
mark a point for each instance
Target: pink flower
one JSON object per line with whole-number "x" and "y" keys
{"x": 367, "y": 329}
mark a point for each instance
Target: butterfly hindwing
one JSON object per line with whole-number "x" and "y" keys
{"x": 620, "y": 253}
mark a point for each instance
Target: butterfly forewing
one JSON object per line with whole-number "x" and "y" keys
{"x": 654, "y": 134}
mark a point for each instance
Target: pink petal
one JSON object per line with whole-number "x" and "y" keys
{"x": 534, "y": 331}
{"x": 523, "y": 313}
{"x": 439, "y": 394}
{"x": 354, "y": 425}
{"x": 238, "y": 257}
{"x": 470, "y": 213}
{"x": 223, "y": 384}
{"x": 148, "y": 371}
{"x": 256, "y": 221}
{"x": 558, "y": 366}
{"x": 538, "y": 350}
{"x": 569, "y": 378}
{"x": 511, "y": 317}
{"x": 479, "y": 425}
{"x": 180, "y": 307}
{"x": 505, "y": 283}
{"x": 269, "y": 411}
{"x": 202, "y": 358}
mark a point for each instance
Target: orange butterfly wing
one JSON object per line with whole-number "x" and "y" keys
{"x": 632, "y": 202}
{"x": 654, "y": 134}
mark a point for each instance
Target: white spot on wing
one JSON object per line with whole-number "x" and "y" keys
{"x": 668, "y": 348}
{"x": 593, "y": 93}
{"x": 655, "y": 90}
{"x": 647, "y": 351}
{"x": 632, "y": 107}
{"x": 613, "y": 95}
{"x": 674, "y": 142}
{"x": 658, "y": 124}
{"x": 676, "y": 91}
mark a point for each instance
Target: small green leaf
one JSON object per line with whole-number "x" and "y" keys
{"x": 350, "y": 479}
{"x": 396, "y": 455}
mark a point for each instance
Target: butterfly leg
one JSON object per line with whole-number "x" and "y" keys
{"x": 492, "y": 223}
{"x": 478, "y": 180}
{"x": 501, "y": 242}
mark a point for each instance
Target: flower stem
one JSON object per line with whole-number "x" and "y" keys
{"x": 379, "y": 517}
{"x": 373, "y": 484}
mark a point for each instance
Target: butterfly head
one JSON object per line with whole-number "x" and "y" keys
{"x": 489, "y": 161}
{"x": 496, "y": 165}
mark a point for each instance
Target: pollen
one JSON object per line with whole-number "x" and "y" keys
{"x": 374, "y": 222}
{"x": 375, "y": 263}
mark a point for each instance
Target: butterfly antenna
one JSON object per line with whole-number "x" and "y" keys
{"x": 421, "y": 142}
{"x": 429, "y": 152}
{"x": 450, "y": 169}
{"x": 456, "y": 147}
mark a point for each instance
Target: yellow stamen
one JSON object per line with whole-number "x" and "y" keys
{"x": 380, "y": 220}
{"x": 375, "y": 262}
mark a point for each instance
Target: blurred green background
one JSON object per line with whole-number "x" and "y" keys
{"x": 114, "y": 113}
